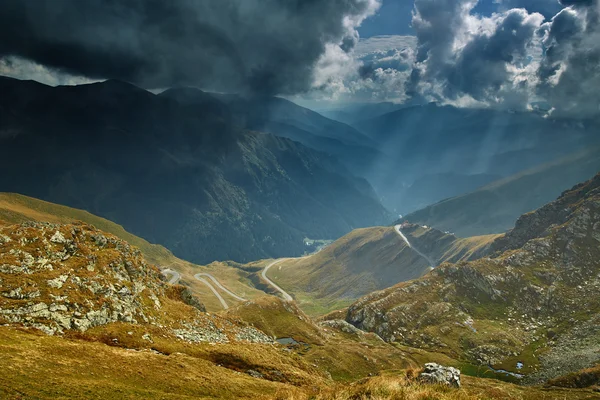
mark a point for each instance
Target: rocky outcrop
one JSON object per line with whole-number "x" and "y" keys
{"x": 437, "y": 374}
{"x": 539, "y": 223}
{"x": 60, "y": 277}
{"x": 57, "y": 278}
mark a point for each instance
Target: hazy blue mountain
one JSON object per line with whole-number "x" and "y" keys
{"x": 431, "y": 140}
{"x": 353, "y": 113}
{"x": 494, "y": 208}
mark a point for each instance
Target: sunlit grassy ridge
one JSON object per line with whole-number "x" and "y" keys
{"x": 36, "y": 366}
{"x": 367, "y": 260}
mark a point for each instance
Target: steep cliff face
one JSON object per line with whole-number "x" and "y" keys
{"x": 534, "y": 302}
{"x": 541, "y": 223}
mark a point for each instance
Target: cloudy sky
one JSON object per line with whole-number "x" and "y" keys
{"x": 489, "y": 53}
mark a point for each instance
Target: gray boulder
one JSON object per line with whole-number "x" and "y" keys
{"x": 438, "y": 374}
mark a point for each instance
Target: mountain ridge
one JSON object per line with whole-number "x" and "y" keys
{"x": 194, "y": 182}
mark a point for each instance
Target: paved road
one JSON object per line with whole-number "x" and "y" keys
{"x": 223, "y": 288}
{"x": 176, "y": 276}
{"x": 285, "y": 295}
{"x": 211, "y": 287}
{"x": 399, "y": 232}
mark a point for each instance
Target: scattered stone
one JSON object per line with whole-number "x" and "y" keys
{"x": 255, "y": 374}
{"x": 147, "y": 337}
{"x": 58, "y": 282}
{"x": 58, "y": 238}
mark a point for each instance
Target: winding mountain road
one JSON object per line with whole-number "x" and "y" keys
{"x": 398, "y": 230}
{"x": 285, "y": 295}
{"x": 215, "y": 292}
{"x": 176, "y": 276}
{"x": 223, "y": 288}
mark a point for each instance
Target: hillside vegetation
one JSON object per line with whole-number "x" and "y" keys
{"x": 83, "y": 315}
{"x": 15, "y": 209}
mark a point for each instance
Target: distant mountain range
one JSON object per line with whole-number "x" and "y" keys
{"x": 216, "y": 176}
{"x": 354, "y": 113}
{"x": 433, "y": 152}
{"x": 176, "y": 170}
{"x": 493, "y": 208}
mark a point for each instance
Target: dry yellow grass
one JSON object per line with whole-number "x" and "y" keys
{"x": 44, "y": 367}
{"x": 401, "y": 387}
{"x": 362, "y": 261}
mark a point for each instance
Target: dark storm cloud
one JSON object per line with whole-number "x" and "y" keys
{"x": 570, "y": 73}
{"x": 482, "y": 67}
{"x": 460, "y": 56}
{"x": 510, "y": 58}
{"x": 268, "y": 46}
{"x": 435, "y": 24}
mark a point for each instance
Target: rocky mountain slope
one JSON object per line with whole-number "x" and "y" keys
{"x": 529, "y": 308}
{"x": 16, "y": 209}
{"x": 183, "y": 176}
{"x": 366, "y": 260}
{"x": 493, "y": 208}
{"x": 283, "y": 118}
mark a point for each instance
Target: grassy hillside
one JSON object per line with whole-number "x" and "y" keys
{"x": 494, "y": 208}
{"x": 446, "y": 247}
{"x": 114, "y": 329}
{"x": 367, "y": 260}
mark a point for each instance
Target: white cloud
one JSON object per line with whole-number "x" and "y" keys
{"x": 20, "y": 68}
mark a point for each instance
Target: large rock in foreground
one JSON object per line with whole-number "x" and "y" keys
{"x": 438, "y": 374}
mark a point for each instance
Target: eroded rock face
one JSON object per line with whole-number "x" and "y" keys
{"x": 437, "y": 374}
{"x": 543, "y": 274}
